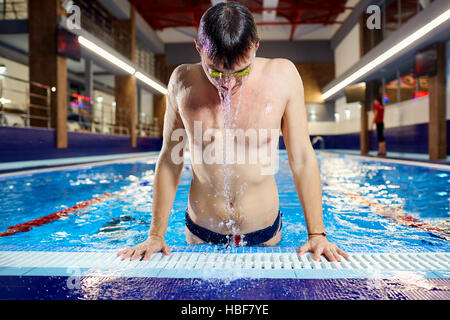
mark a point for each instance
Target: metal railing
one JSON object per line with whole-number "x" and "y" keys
{"x": 86, "y": 115}
{"x": 100, "y": 23}
{"x": 96, "y": 21}
{"x": 13, "y": 10}
{"x": 24, "y": 103}
{"x": 395, "y": 13}
{"x": 319, "y": 139}
{"x": 147, "y": 127}
{"x": 144, "y": 58}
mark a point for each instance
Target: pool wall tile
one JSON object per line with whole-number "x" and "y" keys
{"x": 442, "y": 274}
{"x": 51, "y": 272}
{"x": 14, "y": 271}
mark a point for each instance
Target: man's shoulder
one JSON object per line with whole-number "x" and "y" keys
{"x": 281, "y": 64}
{"x": 185, "y": 71}
{"x": 284, "y": 68}
{"x": 183, "y": 75}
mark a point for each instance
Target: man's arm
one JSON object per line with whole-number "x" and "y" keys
{"x": 168, "y": 169}
{"x": 167, "y": 177}
{"x": 304, "y": 165}
{"x": 375, "y": 114}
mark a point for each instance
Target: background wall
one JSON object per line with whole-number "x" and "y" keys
{"x": 296, "y": 51}
{"x": 448, "y": 83}
{"x": 315, "y": 75}
{"x": 38, "y": 144}
{"x": 314, "y": 61}
{"x": 14, "y": 90}
{"x": 347, "y": 53}
{"x": 406, "y": 128}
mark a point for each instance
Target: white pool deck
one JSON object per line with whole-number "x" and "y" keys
{"x": 20, "y": 167}
{"x": 226, "y": 265}
{"x": 51, "y": 163}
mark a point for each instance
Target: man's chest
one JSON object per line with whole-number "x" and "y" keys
{"x": 248, "y": 108}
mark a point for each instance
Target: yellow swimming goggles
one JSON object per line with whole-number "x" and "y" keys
{"x": 217, "y": 74}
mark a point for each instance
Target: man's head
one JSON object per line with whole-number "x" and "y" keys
{"x": 227, "y": 40}
{"x": 377, "y": 100}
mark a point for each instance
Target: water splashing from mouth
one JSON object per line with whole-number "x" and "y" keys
{"x": 229, "y": 123}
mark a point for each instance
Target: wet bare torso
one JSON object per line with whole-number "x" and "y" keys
{"x": 242, "y": 200}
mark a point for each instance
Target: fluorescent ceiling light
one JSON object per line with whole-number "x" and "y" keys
{"x": 121, "y": 64}
{"x": 106, "y": 55}
{"x": 389, "y": 53}
{"x": 151, "y": 83}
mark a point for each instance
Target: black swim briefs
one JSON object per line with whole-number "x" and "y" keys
{"x": 248, "y": 239}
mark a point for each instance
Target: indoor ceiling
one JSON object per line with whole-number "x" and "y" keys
{"x": 177, "y": 20}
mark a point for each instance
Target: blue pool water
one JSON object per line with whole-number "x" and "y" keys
{"x": 124, "y": 219}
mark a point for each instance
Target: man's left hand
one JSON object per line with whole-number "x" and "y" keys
{"x": 319, "y": 245}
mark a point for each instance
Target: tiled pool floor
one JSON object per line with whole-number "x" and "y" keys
{"x": 122, "y": 288}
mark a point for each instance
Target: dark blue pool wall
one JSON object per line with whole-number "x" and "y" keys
{"x": 22, "y": 144}
{"x": 407, "y": 139}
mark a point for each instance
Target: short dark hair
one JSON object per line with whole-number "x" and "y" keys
{"x": 227, "y": 30}
{"x": 379, "y": 98}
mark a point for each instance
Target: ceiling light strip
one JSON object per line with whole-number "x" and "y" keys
{"x": 389, "y": 53}
{"x": 106, "y": 55}
{"x": 121, "y": 64}
{"x": 151, "y": 82}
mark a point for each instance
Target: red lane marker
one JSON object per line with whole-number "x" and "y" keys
{"x": 396, "y": 214}
{"x": 27, "y": 226}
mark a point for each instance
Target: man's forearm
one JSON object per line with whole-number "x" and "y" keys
{"x": 165, "y": 185}
{"x": 309, "y": 189}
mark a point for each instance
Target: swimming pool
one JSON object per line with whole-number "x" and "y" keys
{"x": 392, "y": 217}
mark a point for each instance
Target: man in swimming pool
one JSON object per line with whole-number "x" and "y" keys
{"x": 234, "y": 203}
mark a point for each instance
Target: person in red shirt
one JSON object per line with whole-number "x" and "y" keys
{"x": 378, "y": 115}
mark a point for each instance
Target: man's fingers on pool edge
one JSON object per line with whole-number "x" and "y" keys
{"x": 329, "y": 255}
{"x": 343, "y": 253}
{"x": 303, "y": 249}
{"x": 317, "y": 253}
{"x": 147, "y": 255}
{"x": 137, "y": 254}
{"x": 127, "y": 253}
{"x": 336, "y": 255}
{"x": 166, "y": 250}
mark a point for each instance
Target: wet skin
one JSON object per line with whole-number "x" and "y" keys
{"x": 271, "y": 97}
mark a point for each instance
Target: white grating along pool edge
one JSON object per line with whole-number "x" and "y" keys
{"x": 220, "y": 265}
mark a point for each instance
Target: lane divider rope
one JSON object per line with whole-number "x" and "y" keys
{"x": 27, "y": 226}
{"x": 395, "y": 214}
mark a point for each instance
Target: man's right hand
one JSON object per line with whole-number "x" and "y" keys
{"x": 146, "y": 249}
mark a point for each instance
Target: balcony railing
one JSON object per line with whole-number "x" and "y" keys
{"x": 13, "y": 9}
{"x": 24, "y": 103}
{"x": 86, "y": 115}
{"x": 148, "y": 127}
